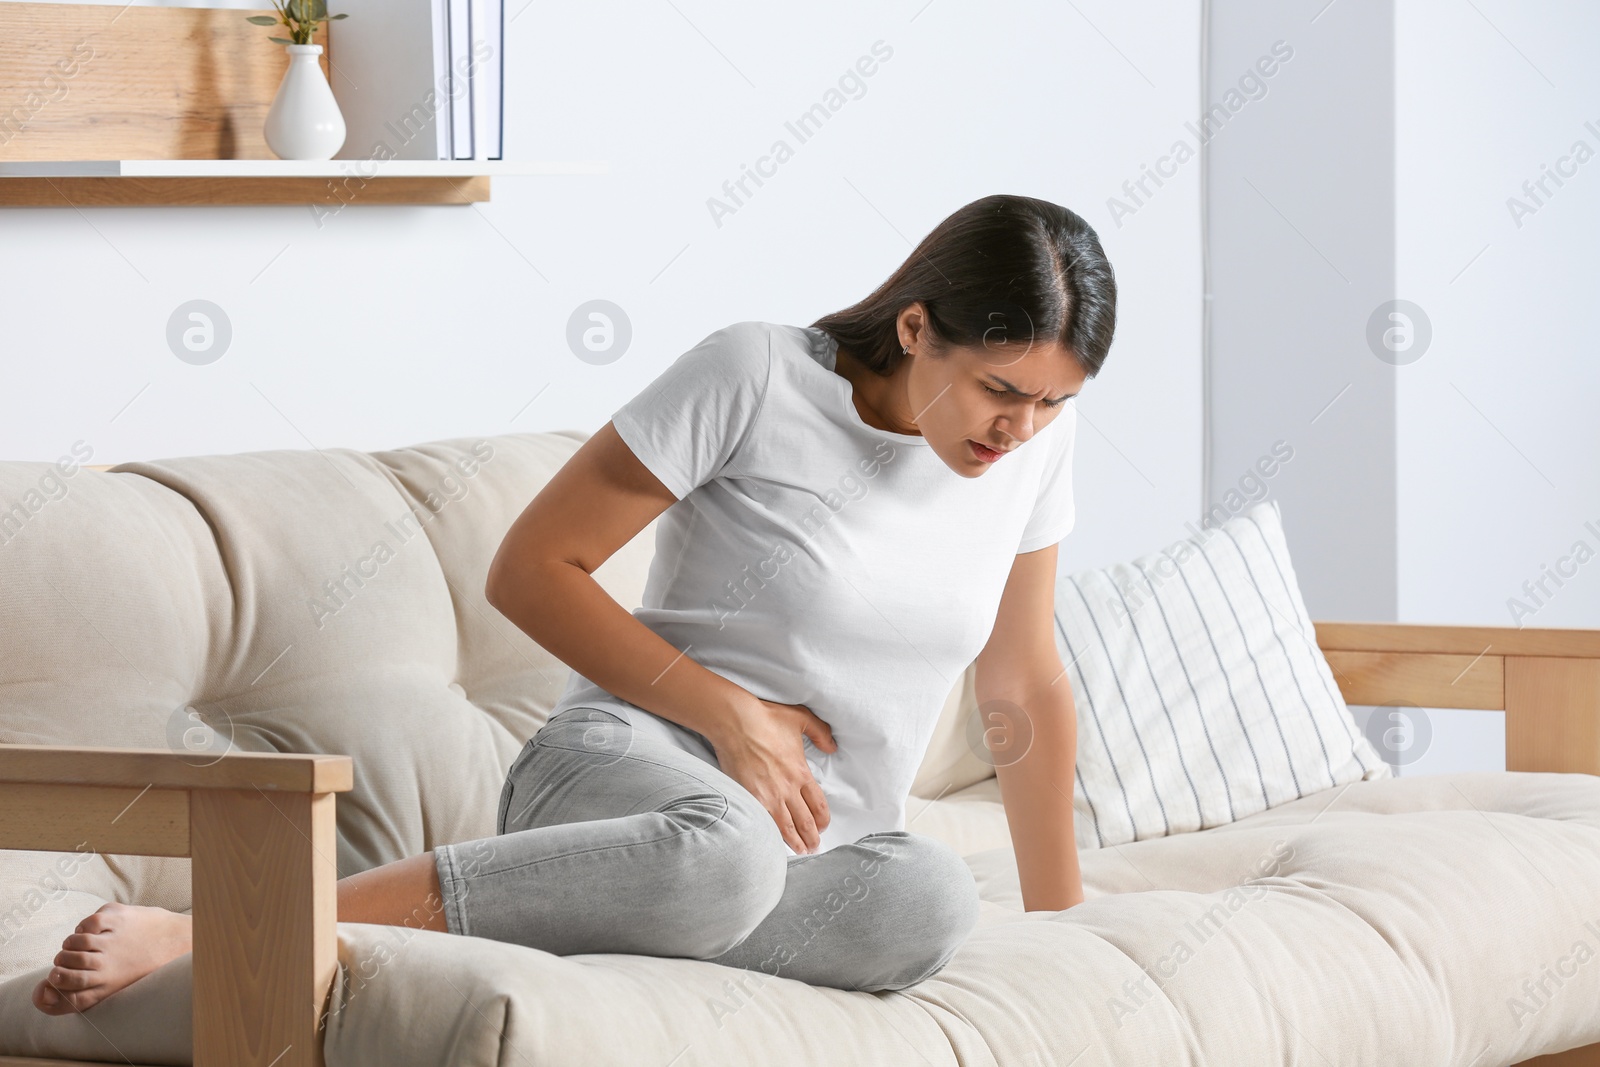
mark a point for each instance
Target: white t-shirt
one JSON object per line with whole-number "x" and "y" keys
{"x": 816, "y": 560}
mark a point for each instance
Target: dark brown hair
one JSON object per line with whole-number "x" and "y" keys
{"x": 1002, "y": 270}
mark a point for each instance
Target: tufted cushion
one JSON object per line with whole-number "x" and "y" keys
{"x": 1392, "y": 921}
{"x": 293, "y": 601}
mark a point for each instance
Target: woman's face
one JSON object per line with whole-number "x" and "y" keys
{"x": 975, "y": 404}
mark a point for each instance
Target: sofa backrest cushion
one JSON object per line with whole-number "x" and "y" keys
{"x": 295, "y": 601}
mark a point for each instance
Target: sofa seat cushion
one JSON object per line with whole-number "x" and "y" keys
{"x": 1450, "y": 919}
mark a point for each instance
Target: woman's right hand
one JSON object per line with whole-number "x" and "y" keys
{"x": 764, "y": 751}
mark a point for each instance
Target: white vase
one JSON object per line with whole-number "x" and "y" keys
{"x": 304, "y": 121}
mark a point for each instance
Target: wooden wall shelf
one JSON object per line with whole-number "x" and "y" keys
{"x": 327, "y": 184}
{"x": 112, "y": 105}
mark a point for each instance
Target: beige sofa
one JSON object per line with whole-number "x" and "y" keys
{"x": 215, "y": 612}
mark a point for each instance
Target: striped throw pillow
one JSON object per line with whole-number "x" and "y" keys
{"x": 1202, "y": 696}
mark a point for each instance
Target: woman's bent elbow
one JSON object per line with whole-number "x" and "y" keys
{"x": 497, "y": 585}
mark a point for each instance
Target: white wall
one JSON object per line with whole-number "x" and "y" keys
{"x": 1498, "y": 456}
{"x": 1448, "y": 475}
{"x": 395, "y": 325}
{"x": 1301, "y": 233}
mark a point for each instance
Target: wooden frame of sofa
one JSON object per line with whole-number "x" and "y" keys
{"x": 259, "y": 827}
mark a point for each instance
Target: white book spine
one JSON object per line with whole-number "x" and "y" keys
{"x": 444, "y": 147}
{"x": 385, "y": 61}
{"x": 488, "y": 31}
{"x": 460, "y": 78}
{"x": 498, "y": 65}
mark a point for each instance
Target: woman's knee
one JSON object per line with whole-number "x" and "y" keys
{"x": 933, "y": 899}
{"x": 727, "y": 875}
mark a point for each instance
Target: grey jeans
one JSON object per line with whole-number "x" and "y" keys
{"x": 609, "y": 840}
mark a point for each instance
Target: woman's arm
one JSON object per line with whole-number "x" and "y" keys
{"x": 542, "y": 579}
{"x": 1031, "y": 728}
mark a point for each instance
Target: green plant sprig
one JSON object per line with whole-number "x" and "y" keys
{"x": 301, "y": 16}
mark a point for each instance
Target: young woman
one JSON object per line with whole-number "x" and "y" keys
{"x": 852, "y": 512}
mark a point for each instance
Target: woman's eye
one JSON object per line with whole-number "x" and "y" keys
{"x": 1001, "y": 392}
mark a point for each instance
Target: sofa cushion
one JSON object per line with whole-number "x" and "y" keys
{"x": 1392, "y": 921}
{"x": 1202, "y": 695}
{"x": 294, "y": 601}
{"x": 956, "y": 756}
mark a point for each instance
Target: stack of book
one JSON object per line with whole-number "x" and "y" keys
{"x": 419, "y": 79}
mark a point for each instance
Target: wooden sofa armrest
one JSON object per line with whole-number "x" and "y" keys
{"x": 1547, "y": 681}
{"x": 259, "y": 829}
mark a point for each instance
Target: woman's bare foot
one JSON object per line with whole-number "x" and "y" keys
{"x": 112, "y": 948}
{"x": 121, "y": 943}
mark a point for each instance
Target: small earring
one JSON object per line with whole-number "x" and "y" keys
{"x": 905, "y": 349}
